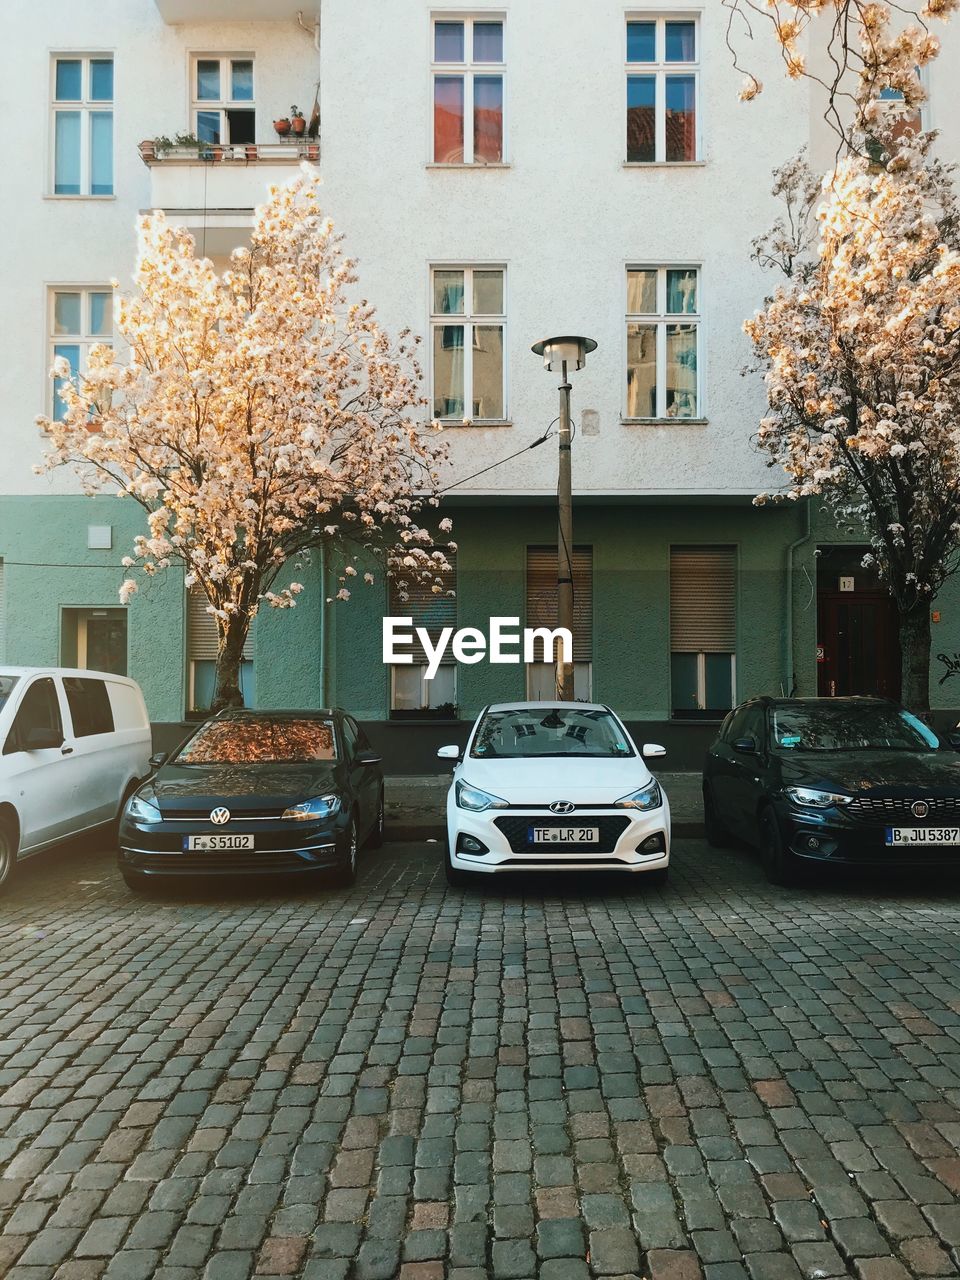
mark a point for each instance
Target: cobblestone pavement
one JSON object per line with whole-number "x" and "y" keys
{"x": 716, "y": 1079}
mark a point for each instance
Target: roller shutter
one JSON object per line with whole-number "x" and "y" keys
{"x": 703, "y": 600}
{"x": 202, "y": 630}
{"x": 430, "y": 609}
{"x": 542, "y": 595}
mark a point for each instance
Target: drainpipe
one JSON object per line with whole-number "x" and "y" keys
{"x": 323, "y": 624}
{"x": 788, "y": 688}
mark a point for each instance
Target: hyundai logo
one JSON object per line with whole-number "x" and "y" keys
{"x": 562, "y": 806}
{"x": 919, "y": 808}
{"x": 220, "y": 816}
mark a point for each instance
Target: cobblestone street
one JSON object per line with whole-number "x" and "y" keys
{"x": 716, "y": 1079}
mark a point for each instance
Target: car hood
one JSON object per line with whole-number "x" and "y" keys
{"x": 541, "y": 781}
{"x": 240, "y": 787}
{"x": 904, "y": 771}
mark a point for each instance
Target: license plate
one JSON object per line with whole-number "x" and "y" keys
{"x": 563, "y": 835}
{"x": 923, "y": 835}
{"x": 216, "y": 843}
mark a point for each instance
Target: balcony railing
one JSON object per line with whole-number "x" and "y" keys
{"x": 290, "y": 151}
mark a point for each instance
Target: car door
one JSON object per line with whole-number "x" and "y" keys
{"x": 41, "y": 777}
{"x": 724, "y": 769}
{"x": 100, "y": 761}
{"x": 746, "y": 784}
{"x": 364, "y": 778}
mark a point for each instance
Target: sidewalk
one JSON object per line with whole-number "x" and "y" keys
{"x": 415, "y": 805}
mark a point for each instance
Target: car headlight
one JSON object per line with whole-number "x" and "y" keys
{"x": 314, "y": 810}
{"x": 474, "y": 799}
{"x": 811, "y": 798}
{"x": 648, "y": 797}
{"x": 143, "y": 807}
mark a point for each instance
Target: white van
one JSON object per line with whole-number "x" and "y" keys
{"x": 73, "y": 746}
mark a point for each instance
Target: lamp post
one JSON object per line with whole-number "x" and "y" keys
{"x": 563, "y": 353}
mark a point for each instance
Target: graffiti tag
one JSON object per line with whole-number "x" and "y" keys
{"x": 951, "y": 665}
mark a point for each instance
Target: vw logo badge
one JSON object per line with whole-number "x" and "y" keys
{"x": 562, "y": 806}
{"x": 920, "y": 808}
{"x": 220, "y": 816}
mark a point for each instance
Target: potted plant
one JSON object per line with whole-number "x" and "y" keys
{"x": 297, "y": 122}
{"x": 282, "y": 126}
{"x": 147, "y": 149}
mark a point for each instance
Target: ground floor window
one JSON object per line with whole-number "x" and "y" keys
{"x": 430, "y": 604}
{"x": 94, "y": 639}
{"x": 412, "y": 692}
{"x": 202, "y": 656}
{"x": 703, "y": 630}
{"x": 542, "y": 612}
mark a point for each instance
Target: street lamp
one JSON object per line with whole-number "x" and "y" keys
{"x": 561, "y": 354}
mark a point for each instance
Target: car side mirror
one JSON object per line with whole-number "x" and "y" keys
{"x": 40, "y": 739}
{"x": 448, "y": 753}
{"x": 158, "y": 759}
{"x": 368, "y": 757}
{"x": 747, "y": 746}
{"x": 651, "y": 749}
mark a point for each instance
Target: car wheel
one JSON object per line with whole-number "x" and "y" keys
{"x": 375, "y": 838}
{"x": 778, "y": 862}
{"x": 456, "y": 878}
{"x": 8, "y": 852}
{"x": 717, "y": 835}
{"x": 348, "y": 869}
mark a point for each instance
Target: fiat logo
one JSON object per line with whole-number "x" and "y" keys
{"x": 220, "y": 816}
{"x": 562, "y": 806}
{"x": 920, "y": 808}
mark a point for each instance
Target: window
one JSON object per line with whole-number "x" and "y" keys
{"x": 78, "y": 320}
{"x": 702, "y": 631}
{"x": 83, "y": 126}
{"x": 202, "y": 655}
{"x": 95, "y": 639}
{"x": 39, "y": 710}
{"x": 468, "y": 91}
{"x": 468, "y": 321}
{"x": 89, "y": 705}
{"x": 223, "y": 108}
{"x": 542, "y": 612}
{"x": 410, "y": 692}
{"x": 662, "y": 90}
{"x": 663, "y": 340}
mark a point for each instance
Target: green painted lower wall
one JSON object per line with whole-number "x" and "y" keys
{"x": 47, "y": 567}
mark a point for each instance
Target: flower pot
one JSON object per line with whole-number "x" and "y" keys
{"x": 251, "y": 150}
{"x": 282, "y": 127}
{"x": 147, "y": 150}
{"x": 298, "y": 124}
{"x": 313, "y": 151}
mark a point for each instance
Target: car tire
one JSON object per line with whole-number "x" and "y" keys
{"x": 779, "y": 863}
{"x": 347, "y": 873}
{"x": 9, "y": 845}
{"x": 456, "y": 878}
{"x": 375, "y": 838}
{"x": 716, "y": 834}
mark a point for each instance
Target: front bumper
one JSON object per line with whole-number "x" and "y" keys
{"x": 280, "y": 848}
{"x": 504, "y": 832}
{"x": 835, "y": 839}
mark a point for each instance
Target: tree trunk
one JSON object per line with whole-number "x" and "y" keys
{"x": 232, "y": 637}
{"x": 915, "y": 651}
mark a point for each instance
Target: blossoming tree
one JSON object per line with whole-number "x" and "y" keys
{"x": 256, "y": 414}
{"x": 853, "y": 50}
{"x": 861, "y": 351}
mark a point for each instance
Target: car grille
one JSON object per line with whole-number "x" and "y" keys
{"x": 203, "y": 815}
{"x": 609, "y": 829}
{"x": 227, "y": 862}
{"x": 877, "y": 808}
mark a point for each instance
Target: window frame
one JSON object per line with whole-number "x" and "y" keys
{"x": 468, "y": 69}
{"x": 660, "y": 319}
{"x": 84, "y": 340}
{"x": 85, "y": 106}
{"x": 469, "y": 319}
{"x": 737, "y": 706}
{"x": 222, "y": 104}
{"x": 660, "y": 69}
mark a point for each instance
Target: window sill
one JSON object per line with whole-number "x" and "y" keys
{"x": 53, "y": 196}
{"x": 664, "y": 164}
{"x": 475, "y": 164}
{"x": 664, "y": 422}
{"x": 457, "y": 424}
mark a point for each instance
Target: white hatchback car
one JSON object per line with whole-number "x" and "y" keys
{"x": 554, "y": 786}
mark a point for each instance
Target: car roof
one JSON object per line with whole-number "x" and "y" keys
{"x": 282, "y": 713}
{"x": 855, "y": 699}
{"x": 7, "y": 670}
{"x": 547, "y": 706}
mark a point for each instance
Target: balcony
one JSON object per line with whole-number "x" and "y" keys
{"x": 172, "y": 11}
{"x": 213, "y": 189}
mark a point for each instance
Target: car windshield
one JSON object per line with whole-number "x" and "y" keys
{"x": 534, "y": 732}
{"x": 260, "y": 740}
{"x": 850, "y": 727}
{"x": 6, "y": 687}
